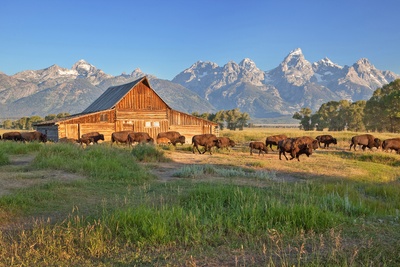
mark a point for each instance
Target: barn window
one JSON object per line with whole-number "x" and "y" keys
{"x": 103, "y": 117}
{"x": 147, "y": 124}
{"x": 156, "y": 124}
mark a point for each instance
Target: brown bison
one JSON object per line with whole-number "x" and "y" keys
{"x": 139, "y": 137}
{"x": 226, "y": 142}
{"x": 258, "y": 145}
{"x": 14, "y": 136}
{"x": 174, "y": 137}
{"x": 303, "y": 145}
{"x": 297, "y": 146}
{"x": 206, "y": 140}
{"x": 34, "y": 136}
{"x": 274, "y": 139}
{"x": 85, "y": 140}
{"x": 94, "y": 136}
{"x": 326, "y": 139}
{"x": 120, "y": 137}
{"x": 284, "y": 146}
{"x": 365, "y": 140}
{"x": 392, "y": 143}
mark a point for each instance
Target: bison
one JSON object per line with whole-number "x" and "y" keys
{"x": 226, "y": 142}
{"x": 94, "y": 136}
{"x": 14, "y": 136}
{"x": 120, "y": 137}
{"x": 303, "y": 145}
{"x": 393, "y": 143}
{"x": 274, "y": 139}
{"x": 174, "y": 137}
{"x": 365, "y": 140}
{"x": 297, "y": 146}
{"x": 258, "y": 145}
{"x": 34, "y": 136}
{"x": 163, "y": 141}
{"x": 326, "y": 139}
{"x": 139, "y": 137}
{"x": 284, "y": 146}
{"x": 206, "y": 140}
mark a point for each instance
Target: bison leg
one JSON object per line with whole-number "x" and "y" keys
{"x": 195, "y": 146}
{"x": 251, "y": 151}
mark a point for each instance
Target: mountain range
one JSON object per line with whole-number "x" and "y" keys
{"x": 203, "y": 87}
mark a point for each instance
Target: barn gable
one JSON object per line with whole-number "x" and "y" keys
{"x": 114, "y": 94}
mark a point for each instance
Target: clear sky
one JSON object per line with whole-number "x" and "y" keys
{"x": 164, "y": 37}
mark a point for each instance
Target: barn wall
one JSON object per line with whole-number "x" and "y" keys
{"x": 51, "y": 131}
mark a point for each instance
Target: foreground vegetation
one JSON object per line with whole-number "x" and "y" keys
{"x": 341, "y": 208}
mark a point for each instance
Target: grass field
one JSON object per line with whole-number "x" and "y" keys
{"x": 149, "y": 206}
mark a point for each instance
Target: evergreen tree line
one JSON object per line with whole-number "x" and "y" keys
{"x": 381, "y": 113}
{"x": 25, "y": 123}
{"x": 233, "y": 119}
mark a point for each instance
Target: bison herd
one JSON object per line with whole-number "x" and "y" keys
{"x": 294, "y": 147}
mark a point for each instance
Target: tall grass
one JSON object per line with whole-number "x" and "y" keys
{"x": 190, "y": 222}
{"x": 98, "y": 162}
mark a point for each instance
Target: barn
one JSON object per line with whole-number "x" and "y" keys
{"x": 134, "y": 106}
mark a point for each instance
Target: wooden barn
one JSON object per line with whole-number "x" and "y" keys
{"x": 134, "y": 106}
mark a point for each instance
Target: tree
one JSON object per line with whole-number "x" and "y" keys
{"x": 242, "y": 120}
{"x": 355, "y": 115}
{"x": 304, "y": 115}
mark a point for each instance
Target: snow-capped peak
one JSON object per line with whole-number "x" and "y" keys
{"x": 326, "y": 62}
{"x": 296, "y": 52}
{"x": 248, "y": 64}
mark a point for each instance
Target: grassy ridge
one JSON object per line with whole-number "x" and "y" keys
{"x": 122, "y": 216}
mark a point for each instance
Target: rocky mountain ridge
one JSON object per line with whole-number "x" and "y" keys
{"x": 203, "y": 87}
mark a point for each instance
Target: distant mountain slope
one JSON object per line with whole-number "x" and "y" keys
{"x": 203, "y": 87}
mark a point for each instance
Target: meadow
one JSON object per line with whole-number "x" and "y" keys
{"x": 61, "y": 205}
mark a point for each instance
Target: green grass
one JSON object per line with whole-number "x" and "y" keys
{"x": 119, "y": 215}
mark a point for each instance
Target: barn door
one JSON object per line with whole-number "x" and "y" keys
{"x": 72, "y": 131}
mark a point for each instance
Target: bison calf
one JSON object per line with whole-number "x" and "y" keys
{"x": 258, "y": 145}
{"x": 326, "y": 139}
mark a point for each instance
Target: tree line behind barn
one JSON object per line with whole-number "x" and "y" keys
{"x": 292, "y": 146}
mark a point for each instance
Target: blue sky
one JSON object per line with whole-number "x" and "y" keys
{"x": 163, "y": 38}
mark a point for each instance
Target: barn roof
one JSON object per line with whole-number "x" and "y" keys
{"x": 113, "y": 95}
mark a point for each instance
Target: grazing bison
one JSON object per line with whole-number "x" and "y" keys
{"x": 94, "y": 136}
{"x": 163, "y": 141}
{"x": 120, "y": 137}
{"x": 226, "y": 142}
{"x": 274, "y": 139}
{"x": 258, "y": 145}
{"x": 174, "y": 137}
{"x": 326, "y": 139}
{"x": 206, "y": 140}
{"x": 392, "y": 143}
{"x": 139, "y": 137}
{"x": 365, "y": 140}
{"x": 14, "y": 136}
{"x": 34, "y": 136}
